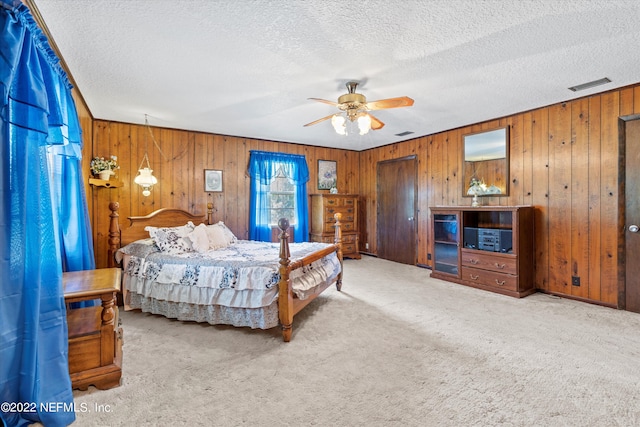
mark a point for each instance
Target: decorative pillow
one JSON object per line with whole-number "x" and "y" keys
{"x": 182, "y": 230}
{"x": 217, "y": 237}
{"x": 199, "y": 239}
{"x": 231, "y": 238}
{"x": 172, "y": 239}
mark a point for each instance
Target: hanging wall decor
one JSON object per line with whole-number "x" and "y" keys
{"x": 327, "y": 174}
{"x": 212, "y": 180}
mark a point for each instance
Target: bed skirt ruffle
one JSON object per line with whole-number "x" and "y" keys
{"x": 255, "y": 318}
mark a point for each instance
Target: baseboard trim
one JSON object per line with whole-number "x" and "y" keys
{"x": 561, "y": 295}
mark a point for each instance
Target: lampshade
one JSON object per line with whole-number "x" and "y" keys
{"x": 364, "y": 123}
{"x": 339, "y": 124}
{"x": 145, "y": 177}
{"x": 146, "y": 180}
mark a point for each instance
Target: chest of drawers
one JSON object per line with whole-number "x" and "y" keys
{"x": 323, "y": 208}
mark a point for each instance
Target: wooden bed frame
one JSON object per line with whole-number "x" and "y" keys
{"x": 288, "y": 304}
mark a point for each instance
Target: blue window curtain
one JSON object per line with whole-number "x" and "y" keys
{"x": 44, "y": 225}
{"x": 263, "y": 167}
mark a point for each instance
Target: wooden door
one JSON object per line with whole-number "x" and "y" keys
{"x": 632, "y": 215}
{"x": 396, "y": 210}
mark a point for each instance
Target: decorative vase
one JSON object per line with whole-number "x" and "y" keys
{"x": 104, "y": 175}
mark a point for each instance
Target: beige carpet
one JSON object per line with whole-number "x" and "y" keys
{"x": 395, "y": 348}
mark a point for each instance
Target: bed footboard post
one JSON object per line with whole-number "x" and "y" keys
{"x": 285, "y": 295}
{"x": 114, "y": 234}
{"x": 338, "y": 241}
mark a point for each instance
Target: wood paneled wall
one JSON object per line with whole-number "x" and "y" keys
{"x": 179, "y": 165}
{"x": 563, "y": 160}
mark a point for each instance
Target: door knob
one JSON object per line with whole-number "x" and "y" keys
{"x": 410, "y": 218}
{"x": 634, "y": 228}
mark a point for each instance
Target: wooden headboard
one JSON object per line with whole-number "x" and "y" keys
{"x": 135, "y": 230}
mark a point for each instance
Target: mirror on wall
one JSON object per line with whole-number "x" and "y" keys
{"x": 486, "y": 163}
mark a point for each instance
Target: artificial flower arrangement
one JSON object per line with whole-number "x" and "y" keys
{"x": 100, "y": 164}
{"x": 476, "y": 187}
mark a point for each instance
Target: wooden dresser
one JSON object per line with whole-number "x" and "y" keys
{"x": 95, "y": 341}
{"x": 323, "y": 207}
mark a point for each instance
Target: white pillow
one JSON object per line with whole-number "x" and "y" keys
{"x": 231, "y": 238}
{"x": 217, "y": 237}
{"x": 199, "y": 239}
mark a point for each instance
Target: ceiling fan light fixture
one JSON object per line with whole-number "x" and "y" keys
{"x": 355, "y": 109}
{"x": 339, "y": 124}
{"x": 364, "y": 124}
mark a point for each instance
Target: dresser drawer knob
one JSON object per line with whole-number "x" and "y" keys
{"x": 500, "y": 266}
{"x": 499, "y": 283}
{"x": 474, "y": 277}
{"x": 473, "y": 261}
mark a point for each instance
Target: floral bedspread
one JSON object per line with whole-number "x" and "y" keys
{"x": 244, "y": 274}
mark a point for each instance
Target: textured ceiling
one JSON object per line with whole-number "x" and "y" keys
{"x": 246, "y": 67}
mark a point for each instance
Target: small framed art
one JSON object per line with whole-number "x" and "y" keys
{"x": 212, "y": 180}
{"x": 327, "y": 174}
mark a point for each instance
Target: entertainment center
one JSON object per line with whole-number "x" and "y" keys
{"x": 488, "y": 247}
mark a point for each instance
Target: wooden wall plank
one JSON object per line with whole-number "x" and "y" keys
{"x": 453, "y": 188}
{"x": 540, "y": 194}
{"x": 626, "y": 101}
{"x": 527, "y": 165}
{"x": 423, "y": 202}
{"x": 516, "y": 162}
{"x": 609, "y": 230}
{"x": 579, "y": 266}
{"x": 595, "y": 204}
{"x": 559, "y": 198}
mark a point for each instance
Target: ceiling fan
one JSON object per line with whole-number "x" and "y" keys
{"x": 356, "y": 109}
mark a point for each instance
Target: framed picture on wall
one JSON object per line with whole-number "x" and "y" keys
{"x": 327, "y": 174}
{"x": 212, "y": 180}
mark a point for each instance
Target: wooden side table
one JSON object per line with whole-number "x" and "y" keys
{"x": 95, "y": 341}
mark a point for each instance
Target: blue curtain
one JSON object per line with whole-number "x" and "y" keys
{"x": 65, "y": 155}
{"x": 263, "y": 167}
{"x": 43, "y": 216}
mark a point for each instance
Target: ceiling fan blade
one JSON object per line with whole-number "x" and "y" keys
{"x": 319, "y": 120}
{"x": 403, "y": 101}
{"x": 375, "y": 123}
{"x": 335, "y": 104}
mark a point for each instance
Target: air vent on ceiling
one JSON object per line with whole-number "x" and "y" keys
{"x": 405, "y": 133}
{"x": 594, "y": 83}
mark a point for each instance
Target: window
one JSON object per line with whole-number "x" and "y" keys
{"x": 282, "y": 199}
{"x": 278, "y": 189}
